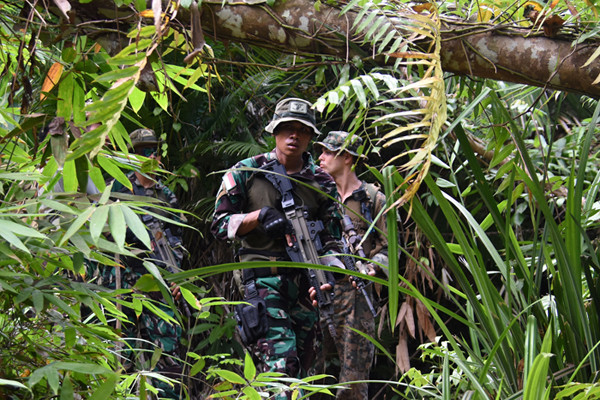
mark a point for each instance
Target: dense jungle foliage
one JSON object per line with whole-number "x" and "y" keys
{"x": 492, "y": 188}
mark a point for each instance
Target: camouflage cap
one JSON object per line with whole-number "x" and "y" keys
{"x": 293, "y": 109}
{"x": 338, "y": 140}
{"x": 142, "y": 137}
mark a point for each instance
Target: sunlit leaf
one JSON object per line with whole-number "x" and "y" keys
{"x": 230, "y": 376}
{"x": 136, "y": 99}
{"x": 249, "y": 367}
{"x": 69, "y": 177}
{"x": 51, "y": 79}
{"x": 190, "y": 298}
{"x": 64, "y": 105}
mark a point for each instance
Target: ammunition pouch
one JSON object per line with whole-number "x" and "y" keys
{"x": 252, "y": 322}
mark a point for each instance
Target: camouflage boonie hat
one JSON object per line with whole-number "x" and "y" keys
{"x": 142, "y": 137}
{"x": 293, "y": 109}
{"x": 338, "y": 140}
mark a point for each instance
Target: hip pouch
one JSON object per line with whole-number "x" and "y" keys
{"x": 252, "y": 320}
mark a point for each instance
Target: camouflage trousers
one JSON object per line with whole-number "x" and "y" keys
{"x": 290, "y": 341}
{"x": 147, "y": 332}
{"x": 355, "y": 353}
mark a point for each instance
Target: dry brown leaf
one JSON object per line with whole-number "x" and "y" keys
{"x": 425, "y": 321}
{"x": 406, "y": 316}
{"x": 382, "y": 320}
{"x": 401, "y": 313}
{"x": 423, "y": 7}
{"x": 410, "y": 54}
{"x": 51, "y": 79}
{"x": 402, "y": 357}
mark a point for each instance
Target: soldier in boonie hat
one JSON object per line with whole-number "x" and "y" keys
{"x": 364, "y": 204}
{"x": 143, "y": 137}
{"x": 293, "y": 109}
{"x": 338, "y": 140}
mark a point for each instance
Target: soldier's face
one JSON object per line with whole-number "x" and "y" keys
{"x": 292, "y": 138}
{"x": 151, "y": 152}
{"x": 332, "y": 162}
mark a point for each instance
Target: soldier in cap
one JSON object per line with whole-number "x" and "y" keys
{"x": 340, "y": 154}
{"x": 167, "y": 253}
{"x": 248, "y": 209}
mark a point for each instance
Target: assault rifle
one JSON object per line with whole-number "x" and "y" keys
{"x": 305, "y": 241}
{"x": 351, "y": 243}
{"x": 164, "y": 249}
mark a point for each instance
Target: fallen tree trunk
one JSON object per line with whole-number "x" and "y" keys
{"x": 506, "y": 53}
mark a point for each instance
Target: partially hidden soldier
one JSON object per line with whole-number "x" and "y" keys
{"x": 362, "y": 204}
{"x": 281, "y": 323}
{"x": 147, "y": 332}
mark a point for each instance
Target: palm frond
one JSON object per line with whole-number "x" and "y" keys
{"x": 393, "y": 108}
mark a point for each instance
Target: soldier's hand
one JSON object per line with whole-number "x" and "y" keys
{"x": 273, "y": 221}
{"x": 175, "y": 291}
{"x": 312, "y": 292}
{"x": 372, "y": 269}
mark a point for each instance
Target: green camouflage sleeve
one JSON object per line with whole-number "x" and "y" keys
{"x": 229, "y": 205}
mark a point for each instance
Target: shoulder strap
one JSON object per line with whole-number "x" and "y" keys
{"x": 372, "y": 190}
{"x": 367, "y": 203}
{"x": 277, "y": 175}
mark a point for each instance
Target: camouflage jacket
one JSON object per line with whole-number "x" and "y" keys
{"x": 244, "y": 189}
{"x": 172, "y": 232}
{"x": 361, "y": 202}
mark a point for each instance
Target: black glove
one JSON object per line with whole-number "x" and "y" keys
{"x": 273, "y": 221}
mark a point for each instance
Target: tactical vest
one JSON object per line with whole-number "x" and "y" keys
{"x": 262, "y": 193}
{"x": 364, "y": 205}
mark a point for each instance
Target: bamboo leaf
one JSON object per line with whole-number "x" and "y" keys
{"x": 69, "y": 177}
{"x": 230, "y": 376}
{"x": 64, "y": 105}
{"x": 360, "y": 92}
{"x": 97, "y": 178}
{"x": 13, "y": 240}
{"x": 112, "y": 168}
{"x": 98, "y": 222}
{"x": 106, "y": 389}
{"x": 251, "y": 393}
{"x": 117, "y": 227}
{"x": 249, "y": 368}
{"x": 117, "y": 74}
{"x": 136, "y": 226}
{"x": 77, "y": 225}
{"x": 136, "y": 99}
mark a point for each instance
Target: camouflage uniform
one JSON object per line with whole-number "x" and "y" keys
{"x": 287, "y": 346}
{"x": 151, "y": 329}
{"x": 351, "y": 310}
